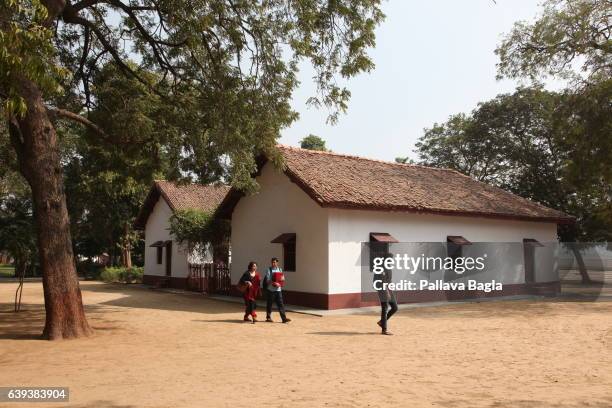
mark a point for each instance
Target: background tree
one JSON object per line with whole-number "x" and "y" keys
{"x": 227, "y": 68}
{"x": 554, "y": 148}
{"x": 533, "y": 142}
{"x": 107, "y": 182}
{"x": 465, "y": 145}
{"x": 17, "y": 230}
{"x": 404, "y": 160}
{"x": 566, "y": 34}
{"x": 572, "y": 34}
{"x": 313, "y": 142}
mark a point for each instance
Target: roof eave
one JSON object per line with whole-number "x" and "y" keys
{"x": 228, "y": 204}
{"x": 568, "y": 220}
{"x": 155, "y": 192}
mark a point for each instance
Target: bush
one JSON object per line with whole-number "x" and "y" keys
{"x": 122, "y": 275}
{"x": 89, "y": 269}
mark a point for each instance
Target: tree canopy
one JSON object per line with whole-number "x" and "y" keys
{"x": 527, "y": 142}
{"x": 313, "y": 142}
{"x": 17, "y": 229}
{"x": 553, "y": 147}
{"x": 568, "y": 33}
{"x": 224, "y": 69}
{"x": 206, "y": 85}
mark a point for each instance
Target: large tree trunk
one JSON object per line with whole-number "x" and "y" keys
{"x": 35, "y": 141}
{"x": 126, "y": 257}
{"x": 127, "y": 253}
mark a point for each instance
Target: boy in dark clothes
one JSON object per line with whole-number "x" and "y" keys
{"x": 252, "y": 281}
{"x": 388, "y": 302}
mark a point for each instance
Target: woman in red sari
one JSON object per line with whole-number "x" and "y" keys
{"x": 251, "y": 281}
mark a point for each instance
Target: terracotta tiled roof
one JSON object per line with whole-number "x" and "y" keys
{"x": 342, "y": 181}
{"x": 182, "y": 197}
{"x": 192, "y": 196}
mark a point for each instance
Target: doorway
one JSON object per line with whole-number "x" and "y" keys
{"x": 168, "y": 258}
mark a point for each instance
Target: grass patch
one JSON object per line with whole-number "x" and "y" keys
{"x": 7, "y": 271}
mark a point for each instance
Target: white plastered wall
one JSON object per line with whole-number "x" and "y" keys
{"x": 280, "y": 207}
{"x": 349, "y": 228}
{"x": 157, "y": 229}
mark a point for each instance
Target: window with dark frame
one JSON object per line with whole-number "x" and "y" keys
{"x": 160, "y": 255}
{"x": 379, "y": 245}
{"x": 289, "y": 250}
{"x": 454, "y": 250}
{"x": 168, "y": 245}
{"x": 159, "y": 245}
{"x": 529, "y": 254}
{"x": 289, "y": 256}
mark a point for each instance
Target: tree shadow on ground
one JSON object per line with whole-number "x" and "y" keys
{"x": 586, "y": 292}
{"x": 24, "y": 325}
{"x": 28, "y": 323}
{"x": 141, "y": 297}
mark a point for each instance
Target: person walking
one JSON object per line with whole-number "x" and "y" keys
{"x": 274, "y": 282}
{"x": 388, "y": 302}
{"x": 251, "y": 283}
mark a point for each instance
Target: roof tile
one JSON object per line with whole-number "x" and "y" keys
{"x": 336, "y": 180}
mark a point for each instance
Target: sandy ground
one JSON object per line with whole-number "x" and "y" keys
{"x": 156, "y": 349}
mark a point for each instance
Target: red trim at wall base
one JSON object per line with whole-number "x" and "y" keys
{"x": 353, "y": 300}
{"x": 173, "y": 281}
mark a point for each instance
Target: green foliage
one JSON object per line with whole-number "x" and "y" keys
{"x": 7, "y": 271}
{"x": 215, "y": 78}
{"x": 89, "y": 269}
{"x": 122, "y": 275}
{"x": 404, "y": 160}
{"x": 566, "y": 32}
{"x": 313, "y": 142}
{"x": 174, "y": 90}
{"x": 465, "y": 145}
{"x": 198, "y": 228}
{"x": 26, "y": 50}
{"x": 107, "y": 180}
{"x": 574, "y": 127}
{"x": 586, "y": 129}
{"x": 17, "y": 228}
{"x": 554, "y": 148}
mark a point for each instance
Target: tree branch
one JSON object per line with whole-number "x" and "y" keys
{"x": 70, "y": 16}
{"x": 84, "y": 4}
{"x": 54, "y": 8}
{"x": 79, "y": 119}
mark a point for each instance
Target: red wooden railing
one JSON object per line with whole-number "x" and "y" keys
{"x": 209, "y": 278}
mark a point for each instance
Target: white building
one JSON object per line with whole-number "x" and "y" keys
{"x": 315, "y": 214}
{"x": 165, "y": 259}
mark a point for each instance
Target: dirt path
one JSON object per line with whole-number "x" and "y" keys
{"x": 154, "y": 349}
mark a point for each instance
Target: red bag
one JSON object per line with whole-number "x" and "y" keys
{"x": 279, "y": 278}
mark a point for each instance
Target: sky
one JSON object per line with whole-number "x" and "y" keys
{"x": 434, "y": 58}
